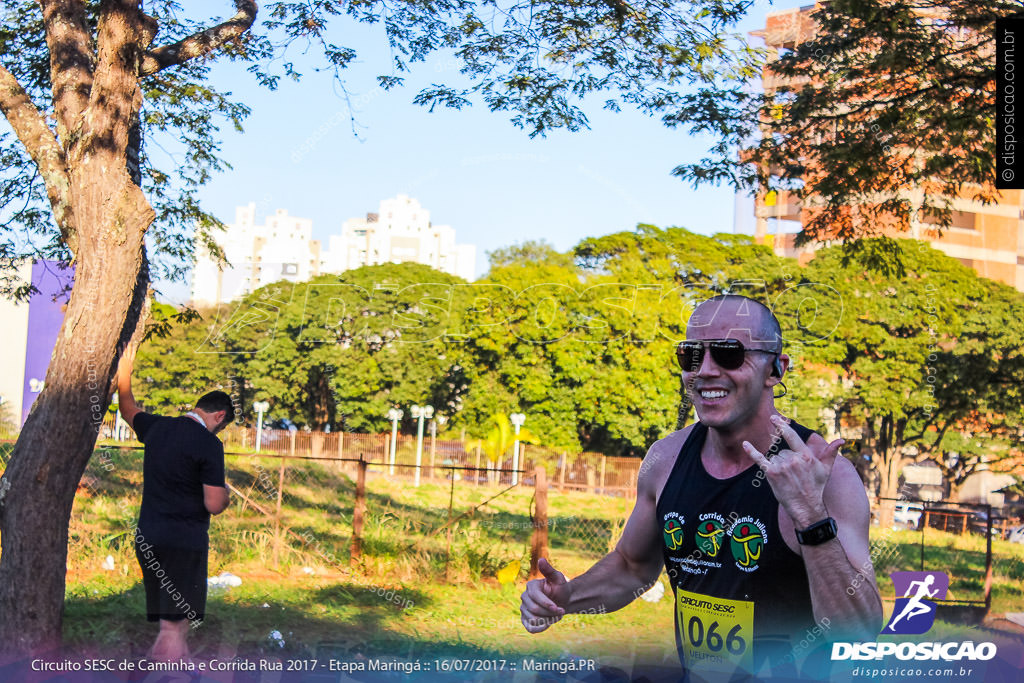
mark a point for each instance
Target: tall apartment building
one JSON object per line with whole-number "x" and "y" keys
{"x": 989, "y": 238}
{"x": 399, "y": 231}
{"x": 282, "y": 248}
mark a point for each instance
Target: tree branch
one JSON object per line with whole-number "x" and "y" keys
{"x": 42, "y": 146}
{"x": 201, "y": 43}
{"x": 114, "y": 99}
{"x": 69, "y": 40}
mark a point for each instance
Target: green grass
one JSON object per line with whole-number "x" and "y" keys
{"x": 961, "y": 557}
{"x": 307, "y": 587}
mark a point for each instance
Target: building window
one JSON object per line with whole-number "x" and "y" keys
{"x": 959, "y": 219}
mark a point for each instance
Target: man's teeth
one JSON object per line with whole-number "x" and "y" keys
{"x": 713, "y": 394}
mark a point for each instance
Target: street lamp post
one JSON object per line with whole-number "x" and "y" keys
{"x": 260, "y": 407}
{"x": 433, "y": 444}
{"x": 420, "y": 413}
{"x": 517, "y": 420}
{"x": 394, "y": 415}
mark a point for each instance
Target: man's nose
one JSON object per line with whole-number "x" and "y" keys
{"x": 707, "y": 365}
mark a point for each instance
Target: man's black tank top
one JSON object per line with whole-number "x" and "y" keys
{"x": 721, "y": 538}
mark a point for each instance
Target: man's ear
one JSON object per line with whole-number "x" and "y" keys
{"x": 779, "y": 365}
{"x": 221, "y": 417}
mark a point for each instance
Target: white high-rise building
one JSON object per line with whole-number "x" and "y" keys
{"x": 257, "y": 255}
{"x": 400, "y": 231}
{"x": 283, "y": 249}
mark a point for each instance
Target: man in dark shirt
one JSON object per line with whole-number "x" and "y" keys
{"x": 183, "y": 484}
{"x": 755, "y": 544}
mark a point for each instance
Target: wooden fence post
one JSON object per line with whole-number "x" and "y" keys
{"x": 988, "y": 559}
{"x": 277, "y": 516}
{"x": 604, "y": 460}
{"x": 561, "y": 473}
{"x": 539, "y": 543}
{"x": 358, "y": 512}
{"x": 341, "y": 444}
{"x": 476, "y": 474}
{"x": 451, "y": 504}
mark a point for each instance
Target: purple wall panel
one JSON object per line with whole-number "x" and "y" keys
{"x": 45, "y": 315}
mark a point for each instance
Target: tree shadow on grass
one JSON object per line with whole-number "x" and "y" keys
{"x": 348, "y": 618}
{"x": 342, "y": 621}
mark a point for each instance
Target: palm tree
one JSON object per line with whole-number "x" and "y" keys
{"x": 499, "y": 440}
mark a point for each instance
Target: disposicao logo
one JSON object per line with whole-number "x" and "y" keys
{"x": 914, "y": 613}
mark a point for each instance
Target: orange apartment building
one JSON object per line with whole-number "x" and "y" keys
{"x": 988, "y": 238}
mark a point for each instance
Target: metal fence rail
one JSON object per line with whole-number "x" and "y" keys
{"x": 593, "y": 472}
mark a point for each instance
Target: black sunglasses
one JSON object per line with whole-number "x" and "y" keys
{"x": 728, "y": 354}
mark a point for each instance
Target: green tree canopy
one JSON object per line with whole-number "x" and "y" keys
{"x": 337, "y": 351}
{"x": 883, "y": 115}
{"x": 914, "y": 364}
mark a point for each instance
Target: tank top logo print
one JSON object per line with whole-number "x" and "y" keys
{"x": 747, "y": 538}
{"x": 673, "y": 530}
{"x": 710, "y": 533}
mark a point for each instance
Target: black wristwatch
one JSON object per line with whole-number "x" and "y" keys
{"x": 817, "y": 533}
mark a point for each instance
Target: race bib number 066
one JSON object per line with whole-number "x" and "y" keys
{"x": 717, "y": 634}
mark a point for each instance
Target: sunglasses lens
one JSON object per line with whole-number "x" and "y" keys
{"x": 728, "y": 354}
{"x": 690, "y": 355}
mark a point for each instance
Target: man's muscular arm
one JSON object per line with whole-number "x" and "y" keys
{"x": 216, "y": 499}
{"x": 125, "y": 399}
{"x": 840, "y": 571}
{"x": 812, "y": 483}
{"x": 617, "y": 578}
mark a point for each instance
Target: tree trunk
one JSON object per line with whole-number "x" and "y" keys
{"x": 888, "y": 480}
{"x": 38, "y": 488}
{"x": 954, "y": 490}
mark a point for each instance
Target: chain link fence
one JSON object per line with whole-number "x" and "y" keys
{"x": 332, "y": 515}
{"x": 956, "y": 539}
{"x": 358, "y": 512}
{"x": 592, "y": 472}
{"x": 327, "y": 515}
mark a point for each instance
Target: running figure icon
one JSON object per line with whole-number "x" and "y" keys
{"x": 914, "y": 606}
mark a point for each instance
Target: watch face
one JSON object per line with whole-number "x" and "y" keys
{"x": 817, "y": 533}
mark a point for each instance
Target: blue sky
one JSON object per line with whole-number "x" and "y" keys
{"x": 472, "y": 169}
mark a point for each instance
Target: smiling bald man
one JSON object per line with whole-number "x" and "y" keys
{"x": 761, "y": 525}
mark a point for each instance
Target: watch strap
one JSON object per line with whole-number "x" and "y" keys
{"x": 817, "y": 533}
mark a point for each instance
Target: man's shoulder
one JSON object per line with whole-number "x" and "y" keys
{"x": 203, "y": 435}
{"x": 175, "y": 422}
{"x": 804, "y": 432}
{"x": 183, "y": 425}
{"x": 661, "y": 456}
{"x": 146, "y": 415}
{"x": 672, "y": 442}
{"x": 844, "y": 477}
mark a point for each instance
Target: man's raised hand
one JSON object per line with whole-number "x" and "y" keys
{"x": 544, "y": 600}
{"x": 798, "y": 474}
